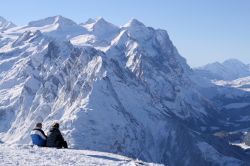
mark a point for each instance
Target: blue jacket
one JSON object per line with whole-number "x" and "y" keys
{"x": 38, "y": 137}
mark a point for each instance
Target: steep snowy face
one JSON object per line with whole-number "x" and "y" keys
{"x": 57, "y": 27}
{"x": 139, "y": 49}
{"x": 134, "y": 98}
{"x": 229, "y": 70}
{"x": 139, "y": 42}
{"x": 4, "y": 24}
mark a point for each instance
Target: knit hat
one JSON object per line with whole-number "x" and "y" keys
{"x": 39, "y": 125}
{"x": 55, "y": 125}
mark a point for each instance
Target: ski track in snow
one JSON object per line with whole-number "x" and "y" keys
{"x": 24, "y": 155}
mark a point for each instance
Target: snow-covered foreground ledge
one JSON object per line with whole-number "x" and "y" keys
{"x": 24, "y": 155}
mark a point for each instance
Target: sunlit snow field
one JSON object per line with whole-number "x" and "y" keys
{"x": 25, "y": 155}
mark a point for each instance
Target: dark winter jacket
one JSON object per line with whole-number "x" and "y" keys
{"x": 38, "y": 137}
{"x": 54, "y": 138}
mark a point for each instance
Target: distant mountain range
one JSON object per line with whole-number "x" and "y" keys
{"x": 228, "y": 70}
{"x": 124, "y": 90}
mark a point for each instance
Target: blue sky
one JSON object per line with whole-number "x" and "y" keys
{"x": 203, "y": 31}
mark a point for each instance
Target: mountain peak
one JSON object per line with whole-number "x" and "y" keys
{"x": 56, "y": 26}
{"x": 100, "y": 22}
{"x": 5, "y": 24}
{"x": 101, "y": 19}
{"x": 52, "y": 20}
{"x": 233, "y": 61}
{"x": 89, "y": 21}
{"x": 230, "y": 69}
{"x": 59, "y": 18}
{"x": 217, "y": 64}
{"x": 2, "y": 19}
{"x": 134, "y": 23}
{"x": 101, "y": 28}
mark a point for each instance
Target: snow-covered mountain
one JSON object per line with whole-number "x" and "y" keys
{"x": 228, "y": 70}
{"x": 4, "y": 24}
{"x": 124, "y": 90}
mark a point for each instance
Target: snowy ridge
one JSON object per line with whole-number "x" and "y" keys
{"x": 121, "y": 90}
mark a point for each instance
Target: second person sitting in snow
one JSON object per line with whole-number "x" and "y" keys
{"x": 55, "y": 138}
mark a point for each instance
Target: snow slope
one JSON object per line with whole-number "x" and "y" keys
{"x": 241, "y": 83}
{"x": 27, "y": 155}
{"x": 126, "y": 91}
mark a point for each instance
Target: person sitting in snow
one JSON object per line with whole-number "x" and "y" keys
{"x": 37, "y": 135}
{"x": 55, "y": 138}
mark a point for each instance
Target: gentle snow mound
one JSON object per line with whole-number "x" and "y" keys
{"x": 27, "y": 155}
